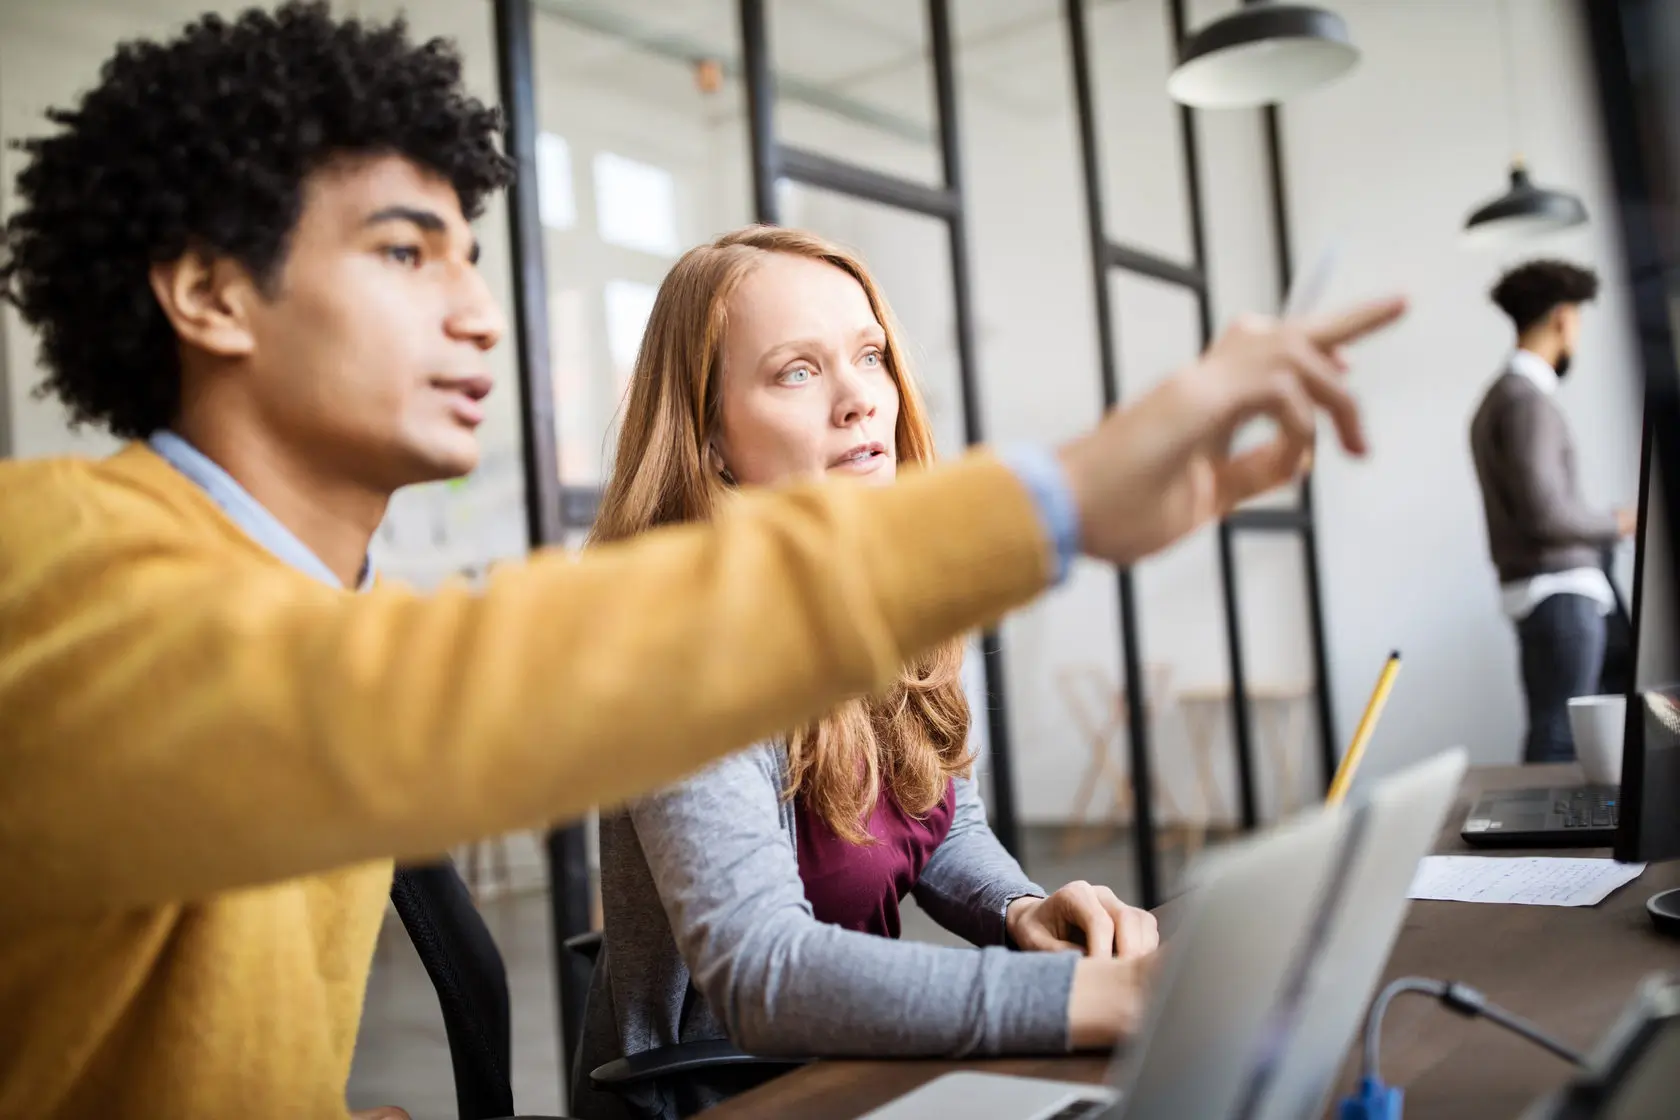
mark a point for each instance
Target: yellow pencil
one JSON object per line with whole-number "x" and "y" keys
{"x": 1362, "y": 736}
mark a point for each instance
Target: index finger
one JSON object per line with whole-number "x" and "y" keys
{"x": 1348, "y": 326}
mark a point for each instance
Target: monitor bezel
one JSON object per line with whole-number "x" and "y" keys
{"x": 1642, "y": 250}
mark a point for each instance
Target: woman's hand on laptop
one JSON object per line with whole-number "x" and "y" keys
{"x": 1155, "y": 470}
{"x": 1090, "y": 919}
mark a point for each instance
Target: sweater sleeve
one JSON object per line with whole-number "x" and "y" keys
{"x": 183, "y": 718}
{"x": 783, "y": 982}
{"x": 1545, "y": 494}
{"x": 970, "y": 880}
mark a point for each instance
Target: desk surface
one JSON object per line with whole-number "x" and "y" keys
{"x": 1569, "y": 969}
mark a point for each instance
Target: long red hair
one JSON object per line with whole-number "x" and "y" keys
{"x": 914, "y": 738}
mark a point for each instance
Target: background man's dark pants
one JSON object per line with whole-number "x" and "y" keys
{"x": 1562, "y": 643}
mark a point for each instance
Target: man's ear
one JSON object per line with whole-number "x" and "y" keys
{"x": 1558, "y": 320}
{"x": 208, "y": 301}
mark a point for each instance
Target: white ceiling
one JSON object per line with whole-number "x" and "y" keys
{"x": 871, "y": 54}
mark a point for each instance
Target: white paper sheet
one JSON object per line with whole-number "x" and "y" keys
{"x": 1521, "y": 880}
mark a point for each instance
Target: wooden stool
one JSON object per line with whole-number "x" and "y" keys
{"x": 1280, "y": 711}
{"x": 1078, "y": 683}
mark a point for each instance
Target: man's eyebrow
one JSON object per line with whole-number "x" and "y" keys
{"x": 428, "y": 220}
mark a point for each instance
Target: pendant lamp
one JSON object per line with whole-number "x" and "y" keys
{"x": 1261, "y": 53}
{"x": 1525, "y": 211}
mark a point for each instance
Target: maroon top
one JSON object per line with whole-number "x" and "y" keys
{"x": 859, "y": 886}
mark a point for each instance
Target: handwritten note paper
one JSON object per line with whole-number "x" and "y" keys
{"x": 1521, "y": 881}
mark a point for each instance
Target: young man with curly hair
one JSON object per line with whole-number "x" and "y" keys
{"x": 248, "y": 251}
{"x": 1544, "y": 538}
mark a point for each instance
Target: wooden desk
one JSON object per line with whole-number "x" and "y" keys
{"x": 1570, "y": 970}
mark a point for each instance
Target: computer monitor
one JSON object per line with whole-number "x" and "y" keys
{"x": 1649, "y": 828}
{"x": 1636, "y": 52}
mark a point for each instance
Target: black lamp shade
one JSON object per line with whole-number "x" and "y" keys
{"x": 1259, "y": 54}
{"x": 1522, "y": 213}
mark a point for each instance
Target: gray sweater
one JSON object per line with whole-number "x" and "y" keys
{"x": 1537, "y": 521}
{"x": 709, "y": 935}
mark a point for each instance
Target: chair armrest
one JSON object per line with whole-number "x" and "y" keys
{"x": 586, "y": 945}
{"x": 684, "y": 1057}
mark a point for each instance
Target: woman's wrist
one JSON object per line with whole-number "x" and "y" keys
{"x": 1016, "y": 912}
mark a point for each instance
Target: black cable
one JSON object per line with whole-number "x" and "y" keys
{"x": 1465, "y": 1000}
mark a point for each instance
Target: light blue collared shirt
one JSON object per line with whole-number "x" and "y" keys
{"x": 246, "y": 512}
{"x": 1035, "y": 465}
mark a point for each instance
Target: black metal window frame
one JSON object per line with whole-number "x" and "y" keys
{"x": 1107, "y": 257}
{"x": 774, "y": 161}
{"x": 550, "y": 507}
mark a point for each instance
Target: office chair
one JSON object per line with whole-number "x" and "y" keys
{"x": 677, "y": 1060}
{"x": 466, "y": 969}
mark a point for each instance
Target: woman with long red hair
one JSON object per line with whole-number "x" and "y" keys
{"x": 759, "y": 900}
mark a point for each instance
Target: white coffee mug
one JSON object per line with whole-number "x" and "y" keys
{"x": 1597, "y": 723}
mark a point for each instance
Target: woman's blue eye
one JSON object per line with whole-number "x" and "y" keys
{"x": 797, "y": 376}
{"x": 874, "y": 357}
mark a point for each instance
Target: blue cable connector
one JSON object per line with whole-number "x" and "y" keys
{"x": 1374, "y": 1101}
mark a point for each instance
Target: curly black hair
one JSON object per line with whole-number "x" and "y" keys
{"x": 205, "y": 141}
{"x": 1528, "y": 292}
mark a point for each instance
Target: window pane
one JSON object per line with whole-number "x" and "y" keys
{"x": 1156, "y": 330}
{"x": 647, "y": 97}
{"x": 635, "y": 204}
{"x": 854, "y": 81}
{"x": 628, "y": 306}
{"x": 1145, "y": 199}
{"x": 556, "y": 195}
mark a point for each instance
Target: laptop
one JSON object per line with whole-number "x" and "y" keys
{"x": 1556, "y": 817}
{"x": 1270, "y": 958}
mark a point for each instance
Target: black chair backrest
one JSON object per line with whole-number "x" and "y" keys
{"x": 466, "y": 968}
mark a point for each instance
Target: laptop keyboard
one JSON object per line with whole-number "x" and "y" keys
{"x": 1587, "y": 808}
{"x": 1078, "y": 1110}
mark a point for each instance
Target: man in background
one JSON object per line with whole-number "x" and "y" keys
{"x": 1546, "y": 541}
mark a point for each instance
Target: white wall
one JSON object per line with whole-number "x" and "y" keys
{"x": 1398, "y": 154}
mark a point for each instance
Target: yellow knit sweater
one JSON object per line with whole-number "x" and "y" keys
{"x": 208, "y": 760}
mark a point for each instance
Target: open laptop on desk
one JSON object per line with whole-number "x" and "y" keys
{"x": 1282, "y": 943}
{"x": 1579, "y": 816}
